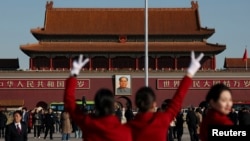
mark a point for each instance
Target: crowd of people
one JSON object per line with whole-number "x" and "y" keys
{"x": 42, "y": 123}
{"x": 105, "y": 122}
{"x": 62, "y": 123}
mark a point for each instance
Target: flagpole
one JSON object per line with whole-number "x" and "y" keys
{"x": 146, "y": 43}
{"x": 246, "y": 64}
{"x": 246, "y": 60}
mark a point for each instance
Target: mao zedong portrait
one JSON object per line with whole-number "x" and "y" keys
{"x": 123, "y": 86}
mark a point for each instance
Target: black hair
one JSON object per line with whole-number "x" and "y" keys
{"x": 215, "y": 92}
{"x": 17, "y": 112}
{"x": 165, "y": 104}
{"x": 104, "y": 103}
{"x": 144, "y": 98}
{"x": 158, "y": 110}
{"x": 198, "y": 110}
{"x": 203, "y": 104}
{"x": 123, "y": 77}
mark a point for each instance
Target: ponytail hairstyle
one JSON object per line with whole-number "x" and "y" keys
{"x": 144, "y": 99}
{"x": 104, "y": 103}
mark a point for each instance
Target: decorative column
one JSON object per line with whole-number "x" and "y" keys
{"x": 214, "y": 62}
{"x": 70, "y": 62}
{"x": 136, "y": 63}
{"x": 156, "y": 63}
{"x": 51, "y": 63}
{"x": 90, "y": 63}
{"x": 110, "y": 63}
{"x": 31, "y": 63}
{"x": 175, "y": 63}
{"x": 211, "y": 65}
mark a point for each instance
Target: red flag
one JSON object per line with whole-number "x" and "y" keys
{"x": 245, "y": 55}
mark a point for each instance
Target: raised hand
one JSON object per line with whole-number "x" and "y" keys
{"x": 77, "y": 65}
{"x": 195, "y": 64}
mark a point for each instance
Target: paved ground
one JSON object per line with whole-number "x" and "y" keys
{"x": 57, "y": 137}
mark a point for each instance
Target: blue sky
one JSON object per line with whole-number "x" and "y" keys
{"x": 230, "y": 18}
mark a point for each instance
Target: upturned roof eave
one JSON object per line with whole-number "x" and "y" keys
{"x": 29, "y": 49}
{"x": 43, "y": 32}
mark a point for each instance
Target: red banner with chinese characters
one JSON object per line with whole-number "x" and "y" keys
{"x": 204, "y": 84}
{"x": 9, "y": 83}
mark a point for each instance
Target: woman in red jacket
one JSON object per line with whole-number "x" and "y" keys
{"x": 149, "y": 125}
{"x": 104, "y": 124}
{"x": 30, "y": 121}
{"x": 220, "y": 101}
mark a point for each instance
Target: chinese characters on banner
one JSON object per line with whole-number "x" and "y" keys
{"x": 204, "y": 84}
{"x": 40, "y": 83}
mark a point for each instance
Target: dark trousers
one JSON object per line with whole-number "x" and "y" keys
{"x": 29, "y": 129}
{"x": 42, "y": 127}
{"x": 2, "y": 132}
{"x": 170, "y": 133}
{"x": 192, "y": 132}
{"x": 179, "y": 133}
{"x": 175, "y": 132}
{"x": 37, "y": 130}
{"x": 49, "y": 129}
{"x": 197, "y": 137}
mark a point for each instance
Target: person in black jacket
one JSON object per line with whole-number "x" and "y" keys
{"x": 233, "y": 116}
{"x": 25, "y": 115}
{"x": 17, "y": 130}
{"x": 50, "y": 119}
{"x": 3, "y": 121}
{"x": 191, "y": 120}
{"x": 179, "y": 125}
{"x": 128, "y": 112}
{"x": 244, "y": 117}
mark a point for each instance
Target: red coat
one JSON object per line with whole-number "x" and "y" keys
{"x": 151, "y": 126}
{"x": 30, "y": 121}
{"x": 212, "y": 117}
{"x": 107, "y": 128}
